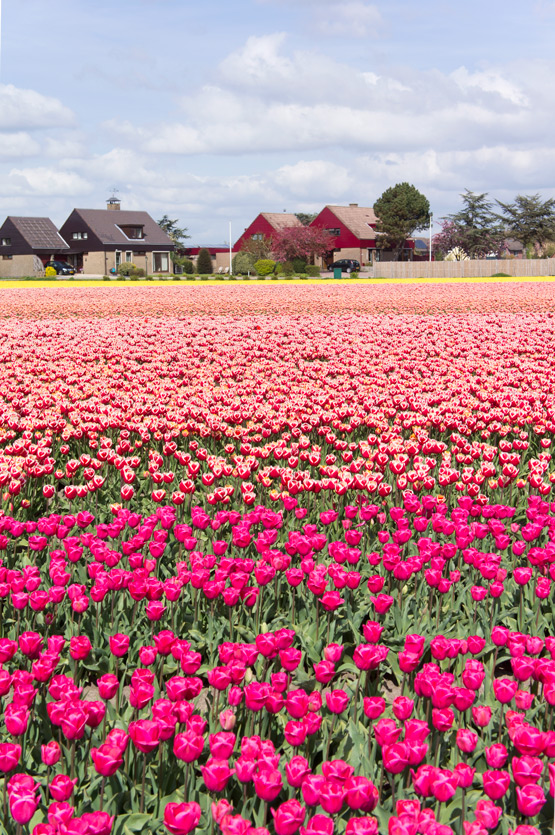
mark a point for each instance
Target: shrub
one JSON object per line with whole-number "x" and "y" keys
{"x": 265, "y": 266}
{"x": 50, "y": 272}
{"x": 287, "y": 268}
{"x": 204, "y": 262}
{"x": 501, "y": 275}
{"x": 106, "y": 278}
{"x": 243, "y": 263}
{"x": 188, "y": 266}
{"x": 127, "y": 268}
{"x": 299, "y": 265}
{"x": 312, "y": 270}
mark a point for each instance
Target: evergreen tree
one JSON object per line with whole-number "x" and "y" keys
{"x": 401, "y": 211}
{"x": 204, "y": 262}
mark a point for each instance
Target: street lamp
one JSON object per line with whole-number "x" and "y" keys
{"x": 430, "y": 246}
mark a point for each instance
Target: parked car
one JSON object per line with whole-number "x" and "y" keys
{"x": 61, "y": 267}
{"x": 346, "y": 265}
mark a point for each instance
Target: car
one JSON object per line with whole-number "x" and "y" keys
{"x": 61, "y": 267}
{"x": 346, "y": 265}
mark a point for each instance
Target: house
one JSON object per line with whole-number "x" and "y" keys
{"x": 218, "y": 253}
{"x": 353, "y": 228}
{"x": 102, "y": 239}
{"x": 266, "y": 225}
{"x": 27, "y": 243}
{"x": 512, "y": 249}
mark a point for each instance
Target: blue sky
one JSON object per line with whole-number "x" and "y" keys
{"x": 213, "y": 111}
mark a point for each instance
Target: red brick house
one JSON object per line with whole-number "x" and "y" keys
{"x": 353, "y": 228}
{"x": 265, "y": 225}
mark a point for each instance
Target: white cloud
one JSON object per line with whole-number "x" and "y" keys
{"x": 266, "y": 98}
{"x": 18, "y": 144}
{"x": 489, "y": 82}
{"x": 304, "y": 178}
{"x": 354, "y": 19}
{"x": 26, "y": 110}
{"x": 45, "y": 181}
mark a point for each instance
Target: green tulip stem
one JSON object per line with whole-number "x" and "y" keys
{"x": 186, "y": 784}
{"x": 355, "y": 700}
{"x": 142, "y": 801}
{"x": 102, "y": 786}
{"x": 333, "y": 721}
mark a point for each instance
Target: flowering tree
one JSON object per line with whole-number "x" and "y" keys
{"x": 475, "y": 228}
{"x": 306, "y": 242}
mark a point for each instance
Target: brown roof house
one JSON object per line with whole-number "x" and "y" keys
{"x": 102, "y": 239}
{"x": 266, "y": 225}
{"x": 353, "y": 229}
{"x": 26, "y": 244}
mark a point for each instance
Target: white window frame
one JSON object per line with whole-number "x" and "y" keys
{"x": 117, "y": 259}
{"x": 128, "y": 257}
{"x": 135, "y": 226}
{"x": 6, "y": 241}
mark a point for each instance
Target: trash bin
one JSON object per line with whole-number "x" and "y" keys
{"x": 337, "y": 272}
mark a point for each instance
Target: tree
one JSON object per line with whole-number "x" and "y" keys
{"x": 258, "y": 247}
{"x": 477, "y": 228}
{"x": 304, "y": 242}
{"x": 177, "y": 234}
{"x": 401, "y": 211}
{"x": 451, "y": 237}
{"x": 306, "y": 218}
{"x": 529, "y": 219}
{"x": 204, "y": 262}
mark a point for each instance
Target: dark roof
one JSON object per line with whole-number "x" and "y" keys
{"x": 106, "y": 223}
{"x": 420, "y": 243}
{"x": 514, "y": 245}
{"x": 39, "y": 232}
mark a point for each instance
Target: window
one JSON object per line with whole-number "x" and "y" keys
{"x": 333, "y": 232}
{"x": 118, "y": 258}
{"x": 6, "y": 241}
{"x": 161, "y": 262}
{"x": 134, "y": 233}
{"x": 80, "y": 236}
{"x": 258, "y": 237}
{"x": 374, "y": 254}
{"x": 7, "y": 257}
{"x": 128, "y": 257}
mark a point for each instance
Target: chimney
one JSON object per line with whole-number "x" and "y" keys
{"x": 113, "y": 204}
{"x": 353, "y": 205}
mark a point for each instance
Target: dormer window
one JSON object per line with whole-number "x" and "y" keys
{"x": 80, "y": 236}
{"x": 134, "y": 233}
{"x": 6, "y": 241}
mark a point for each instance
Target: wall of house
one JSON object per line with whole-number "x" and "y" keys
{"x": 20, "y": 266}
{"x": 221, "y": 260}
{"x": 93, "y": 263}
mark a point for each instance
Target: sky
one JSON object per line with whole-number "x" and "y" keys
{"x": 211, "y": 111}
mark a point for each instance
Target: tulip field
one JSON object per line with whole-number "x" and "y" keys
{"x": 277, "y": 559}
